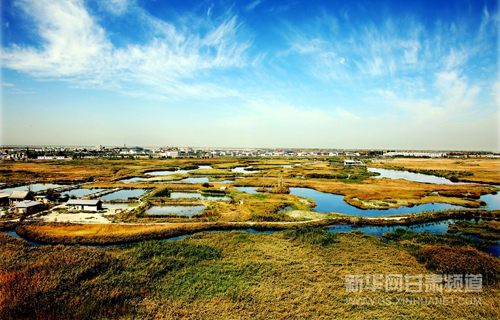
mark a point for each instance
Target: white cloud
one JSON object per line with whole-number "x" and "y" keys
{"x": 252, "y": 5}
{"x": 76, "y": 48}
{"x": 73, "y": 43}
{"x": 454, "y": 99}
{"x": 115, "y": 6}
{"x": 397, "y": 47}
{"x": 455, "y": 92}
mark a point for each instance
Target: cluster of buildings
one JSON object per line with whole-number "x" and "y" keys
{"x": 416, "y": 154}
{"x": 64, "y": 153}
{"x": 24, "y": 202}
{"x": 280, "y": 153}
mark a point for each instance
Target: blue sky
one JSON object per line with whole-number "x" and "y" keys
{"x": 318, "y": 74}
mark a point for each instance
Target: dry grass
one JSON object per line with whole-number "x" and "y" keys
{"x": 230, "y": 275}
{"x": 82, "y": 169}
{"x": 484, "y": 170}
{"x": 278, "y": 278}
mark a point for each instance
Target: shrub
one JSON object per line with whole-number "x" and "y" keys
{"x": 462, "y": 261}
{"x": 162, "y": 193}
{"x": 280, "y": 190}
{"x": 454, "y": 179}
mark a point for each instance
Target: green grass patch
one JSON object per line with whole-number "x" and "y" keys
{"x": 312, "y": 236}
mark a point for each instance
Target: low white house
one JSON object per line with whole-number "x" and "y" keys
{"x": 348, "y": 163}
{"x": 84, "y": 205}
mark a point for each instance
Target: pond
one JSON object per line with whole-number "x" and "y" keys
{"x": 176, "y": 195}
{"x": 15, "y": 235}
{"x": 134, "y": 179}
{"x": 225, "y": 181}
{"x": 201, "y": 180}
{"x": 179, "y": 210}
{"x": 432, "y": 227}
{"x": 327, "y": 202}
{"x": 193, "y": 180}
{"x": 439, "y": 227}
{"x": 242, "y": 170}
{"x": 81, "y": 192}
{"x": 166, "y": 173}
{"x": 247, "y": 189}
{"x": 410, "y": 176}
{"x": 34, "y": 187}
{"x": 123, "y": 194}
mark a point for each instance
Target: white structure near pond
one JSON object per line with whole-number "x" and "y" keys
{"x": 85, "y": 205}
{"x": 348, "y": 163}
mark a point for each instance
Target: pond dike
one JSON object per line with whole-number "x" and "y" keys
{"x": 172, "y": 230}
{"x": 425, "y": 217}
{"x": 25, "y": 232}
{"x": 69, "y": 188}
{"x": 102, "y": 193}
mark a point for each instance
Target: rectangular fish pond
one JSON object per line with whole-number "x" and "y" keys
{"x": 123, "y": 194}
{"x": 179, "y": 210}
{"x": 34, "y": 187}
{"x": 176, "y": 195}
{"x": 81, "y": 192}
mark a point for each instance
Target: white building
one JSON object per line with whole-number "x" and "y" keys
{"x": 348, "y": 163}
{"x": 85, "y": 205}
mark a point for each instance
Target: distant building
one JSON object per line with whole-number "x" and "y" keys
{"x": 135, "y": 150}
{"x": 85, "y": 205}
{"x": 348, "y": 163}
{"x": 416, "y": 154}
{"x": 19, "y": 196}
{"x": 28, "y": 207}
{"x": 53, "y": 158}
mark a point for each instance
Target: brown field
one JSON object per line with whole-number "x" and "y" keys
{"x": 484, "y": 170}
{"x": 362, "y": 192}
{"x": 18, "y": 171}
{"x": 221, "y": 275}
{"x": 295, "y": 274}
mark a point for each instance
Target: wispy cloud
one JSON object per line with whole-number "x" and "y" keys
{"x": 116, "y": 6}
{"x": 454, "y": 98}
{"x": 332, "y": 47}
{"x": 12, "y": 89}
{"x": 76, "y": 48}
{"x": 252, "y": 5}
